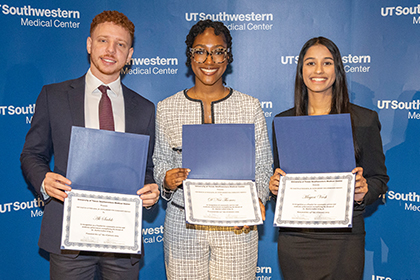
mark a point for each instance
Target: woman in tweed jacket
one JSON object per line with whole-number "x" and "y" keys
{"x": 196, "y": 251}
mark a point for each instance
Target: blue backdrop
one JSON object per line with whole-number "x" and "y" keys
{"x": 44, "y": 42}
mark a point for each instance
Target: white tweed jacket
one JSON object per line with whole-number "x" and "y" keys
{"x": 180, "y": 109}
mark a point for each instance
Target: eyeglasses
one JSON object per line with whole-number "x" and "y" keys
{"x": 200, "y": 55}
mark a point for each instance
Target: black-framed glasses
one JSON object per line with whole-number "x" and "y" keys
{"x": 200, "y": 55}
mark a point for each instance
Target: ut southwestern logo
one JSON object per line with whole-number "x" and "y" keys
{"x": 409, "y": 198}
{"x": 267, "y": 107}
{"x": 402, "y": 11}
{"x": 18, "y": 111}
{"x": 401, "y": 105}
{"x": 162, "y": 66}
{"x": 35, "y": 205}
{"x": 153, "y": 235}
{"x": 263, "y": 270}
{"x": 348, "y": 61}
{"x": 376, "y": 277}
{"x": 251, "y": 21}
{"x": 28, "y": 13}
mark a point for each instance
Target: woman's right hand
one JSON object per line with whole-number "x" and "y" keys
{"x": 174, "y": 178}
{"x": 275, "y": 181}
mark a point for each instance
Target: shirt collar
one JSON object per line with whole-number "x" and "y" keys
{"x": 92, "y": 84}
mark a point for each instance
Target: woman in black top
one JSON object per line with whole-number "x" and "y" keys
{"x": 320, "y": 89}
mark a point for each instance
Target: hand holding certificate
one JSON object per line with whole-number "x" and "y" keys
{"x": 317, "y": 153}
{"x": 102, "y": 212}
{"x": 220, "y": 190}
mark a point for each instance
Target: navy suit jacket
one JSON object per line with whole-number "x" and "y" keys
{"x": 58, "y": 108}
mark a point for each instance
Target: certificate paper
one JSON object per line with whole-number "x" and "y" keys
{"x": 316, "y": 200}
{"x": 104, "y": 222}
{"x": 221, "y": 202}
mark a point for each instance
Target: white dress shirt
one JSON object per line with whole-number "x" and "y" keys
{"x": 92, "y": 97}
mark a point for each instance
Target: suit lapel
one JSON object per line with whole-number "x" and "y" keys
{"x": 76, "y": 95}
{"x": 130, "y": 110}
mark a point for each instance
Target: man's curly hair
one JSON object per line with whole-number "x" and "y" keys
{"x": 199, "y": 27}
{"x": 116, "y": 18}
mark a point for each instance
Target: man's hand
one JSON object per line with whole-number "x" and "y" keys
{"x": 149, "y": 194}
{"x": 55, "y": 185}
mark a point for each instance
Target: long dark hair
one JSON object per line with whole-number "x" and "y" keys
{"x": 340, "y": 102}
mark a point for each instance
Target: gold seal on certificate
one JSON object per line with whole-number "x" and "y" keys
{"x": 316, "y": 200}
{"x": 103, "y": 222}
{"x": 221, "y": 202}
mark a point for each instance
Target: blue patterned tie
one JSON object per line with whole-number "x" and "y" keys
{"x": 106, "y": 118}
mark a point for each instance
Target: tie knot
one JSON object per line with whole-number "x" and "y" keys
{"x": 103, "y": 88}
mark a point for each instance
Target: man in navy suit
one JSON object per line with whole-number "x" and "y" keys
{"x": 75, "y": 103}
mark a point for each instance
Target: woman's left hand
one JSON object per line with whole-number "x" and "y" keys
{"x": 361, "y": 186}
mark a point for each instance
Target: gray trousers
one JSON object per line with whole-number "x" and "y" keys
{"x": 207, "y": 252}
{"x": 91, "y": 265}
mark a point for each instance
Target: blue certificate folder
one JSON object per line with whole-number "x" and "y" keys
{"x": 315, "y": 144}
{"x": 107, "y": 161}
{"x": 219, "y": 151}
